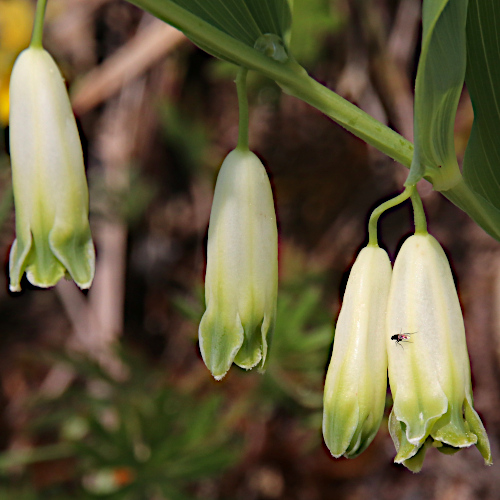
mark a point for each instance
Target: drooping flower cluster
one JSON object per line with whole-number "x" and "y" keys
{"x": 416, "y": 323}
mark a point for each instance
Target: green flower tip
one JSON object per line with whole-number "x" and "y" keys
{"x": 242, "y": 268}
{"x": 50, "y": 189}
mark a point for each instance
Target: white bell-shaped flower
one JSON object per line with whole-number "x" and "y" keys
{"x": 50, "y": 189}
{"x": 356, "y": 382}
{"x": 429, "y": 370}
{"x": 242, "y": 267}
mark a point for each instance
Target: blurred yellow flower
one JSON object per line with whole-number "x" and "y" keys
{"x": 16, "y": 22}
{"x": 4, "y": 101}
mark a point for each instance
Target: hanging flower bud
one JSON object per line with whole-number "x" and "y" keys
{"x": 242, "y": 267}
{"x": 356, "y": 382}
{"x": 50, "y": 190}
{"x": 429, "y": 371}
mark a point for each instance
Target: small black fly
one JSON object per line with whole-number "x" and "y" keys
{"x": 401, "y": 338}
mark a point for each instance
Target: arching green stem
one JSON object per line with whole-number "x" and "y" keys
{"x": 290, "y": 76}
{"x": 372, "y": 224}
{"x": 418, "y": 212}
{"x": 294, "y": 80}
{"x": 36, "y": 37}
{"x": 241, "y": 87}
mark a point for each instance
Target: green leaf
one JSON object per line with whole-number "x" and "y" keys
{"x": 243, "y": 20}
{"x": 482, "y": 158}
{"x": 477, "y": 193}
{"x": 440, "y": 77}
{"x": 476, "y": 206}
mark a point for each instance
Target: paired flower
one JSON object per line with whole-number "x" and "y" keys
{"x": 242, "y": 267}
{"x": 50, "y": 189}
{"x": 356, "y": 382}
{"x": 429, "y": 378}
{"x": 429, "y": 370}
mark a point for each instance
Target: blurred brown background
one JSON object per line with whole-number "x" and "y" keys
{"x": 104, "y": 394}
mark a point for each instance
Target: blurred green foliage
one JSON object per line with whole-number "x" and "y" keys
{"x": 23, "y": 493}
{"x": 141, "y": 435}
{"x": 312, "y": 21}
{"x": 299, "y": 353}
{"x": 132, "y": 439}
{"x": 186, "y": 135}
{"x": 127, "y": 202}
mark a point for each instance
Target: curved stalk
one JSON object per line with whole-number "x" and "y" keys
{"x": 37, "y": 35}
{"x": 418, "y": 213}
{"x": 374, "y": 217}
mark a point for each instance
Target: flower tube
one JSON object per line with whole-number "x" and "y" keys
{"x": 242, "y": 267}
{"x": 356, "y": 382}
{"x": 429, "y": 370}
{"x": 50, "y": 189}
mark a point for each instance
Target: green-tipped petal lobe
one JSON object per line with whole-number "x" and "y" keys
{"x": 242, "y": 267}
{"x": 451, "y": 429}
{"x": 397, "y": 429}
{"x": 220, "y": 340}
{"x": 416, "y": 461}
{"x": 356, "y": 381}
{"x": 477, "y": 427}
{"x": 50, "y": 189}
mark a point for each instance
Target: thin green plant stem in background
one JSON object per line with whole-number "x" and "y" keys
{"x": 418, "y": 213}
{"x": 374, "y": 217}
{"x": 36, "y": 37}
{"x": 16, "y": 458}
{"x": 241, "y": 87}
